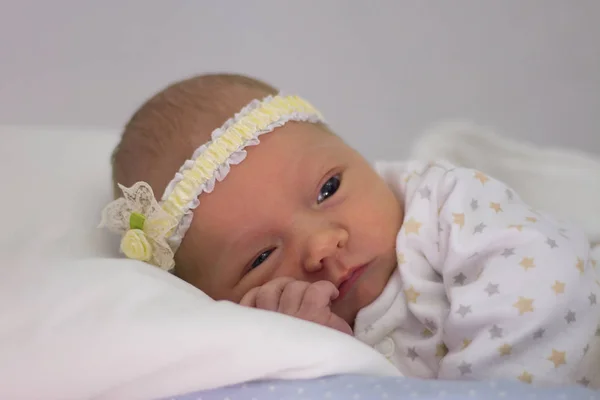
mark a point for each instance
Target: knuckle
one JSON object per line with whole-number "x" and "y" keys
{"x": 280, "y": 282}
{"x": 266, "y": 297}
{"x": 326, "y": 286}
{"x": 315, "y": 298}
{"x": 250, "y": 297}
{"x": 297, "y": 286}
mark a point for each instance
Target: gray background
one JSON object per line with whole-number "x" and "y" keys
{"x": 379, "y": 70}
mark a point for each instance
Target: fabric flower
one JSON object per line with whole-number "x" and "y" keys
{"x": 135, "y": 245}
{"x": 143, "y": 225}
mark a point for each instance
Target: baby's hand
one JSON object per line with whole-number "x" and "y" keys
{"x": 307, "y": 301}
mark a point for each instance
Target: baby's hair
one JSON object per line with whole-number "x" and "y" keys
{"x": 167, "y": 128}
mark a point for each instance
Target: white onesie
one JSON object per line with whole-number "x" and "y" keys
{"x": 486, "y": 287}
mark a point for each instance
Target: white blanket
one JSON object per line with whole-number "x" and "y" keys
{"x": 562, "y": 182}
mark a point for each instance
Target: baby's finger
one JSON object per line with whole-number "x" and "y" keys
{"x": 249, "y": 299}
{"x": 291, "y": 298}
{"x": 318, "y": 295}
{"x": 269, "y": 294}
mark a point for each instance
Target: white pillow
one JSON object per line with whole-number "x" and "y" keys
{"x": 116, "y": 328}
{"x": 122, "y": 329}
{"x": 55, "y": 183}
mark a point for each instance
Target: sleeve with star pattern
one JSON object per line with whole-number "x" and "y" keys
{"x": 508, "y": 291}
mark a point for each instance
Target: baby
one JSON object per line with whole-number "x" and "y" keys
{"x": 442, "y": 269}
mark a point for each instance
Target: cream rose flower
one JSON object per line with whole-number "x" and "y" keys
{"x": 136, "y": 246}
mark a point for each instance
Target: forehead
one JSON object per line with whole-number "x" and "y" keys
{"x": 287, "y": 161}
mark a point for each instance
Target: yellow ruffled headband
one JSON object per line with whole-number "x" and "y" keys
{"x": 152, "y": 231}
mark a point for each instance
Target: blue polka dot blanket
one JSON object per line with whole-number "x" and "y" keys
{"x": 354, "y": 387}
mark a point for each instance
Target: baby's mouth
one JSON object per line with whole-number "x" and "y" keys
{"x": 350, "y": 279}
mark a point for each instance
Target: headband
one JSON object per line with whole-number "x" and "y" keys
{"x": 152, "y": 231}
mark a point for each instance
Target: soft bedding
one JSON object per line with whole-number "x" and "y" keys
{"x": 76, "y": 323}
{"x": 563, "y": 182}
{"x": 121, "y": 329}
{"x": 359, "y": 387}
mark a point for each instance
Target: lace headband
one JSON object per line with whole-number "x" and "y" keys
{"x": 153, "y": 231}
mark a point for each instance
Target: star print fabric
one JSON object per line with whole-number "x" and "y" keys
{"x": 486, "y": 286}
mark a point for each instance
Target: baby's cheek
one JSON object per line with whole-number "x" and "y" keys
{"x": 369, "y": 290}
{"x": 291, "y": 268}
{"x": 236, "y": 296}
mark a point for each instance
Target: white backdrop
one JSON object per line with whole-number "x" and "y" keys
{"x": 380, "y": 70}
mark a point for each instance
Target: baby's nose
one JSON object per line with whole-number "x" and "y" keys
{"x": 323, "y": 247}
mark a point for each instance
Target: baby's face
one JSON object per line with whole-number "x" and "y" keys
{"x": 303, "y": 205}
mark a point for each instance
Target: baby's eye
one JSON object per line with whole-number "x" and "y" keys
{"x": 329, "y": 188}
{"x": 261, "y": 258}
